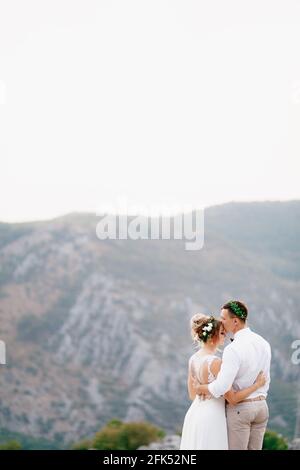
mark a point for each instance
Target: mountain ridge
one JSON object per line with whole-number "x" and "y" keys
{"x": 100, "y": 329}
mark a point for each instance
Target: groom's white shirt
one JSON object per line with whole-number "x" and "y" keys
{"x": 242, "y": 361}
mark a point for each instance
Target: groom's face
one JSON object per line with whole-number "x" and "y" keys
{"x": 227, "y": 322}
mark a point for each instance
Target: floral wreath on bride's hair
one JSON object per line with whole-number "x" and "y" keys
{"x": 208, "y": 329}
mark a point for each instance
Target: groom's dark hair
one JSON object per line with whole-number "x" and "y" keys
{"x": 237, "y": 309}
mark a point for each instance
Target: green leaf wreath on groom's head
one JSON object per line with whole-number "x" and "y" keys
{"x": 237, "y": 310}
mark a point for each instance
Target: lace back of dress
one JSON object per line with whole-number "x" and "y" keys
{"x": 198, "y": 365}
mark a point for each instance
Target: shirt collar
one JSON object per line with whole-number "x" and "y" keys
{"x": 241, "y": 332}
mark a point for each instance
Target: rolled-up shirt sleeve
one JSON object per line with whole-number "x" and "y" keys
{"x": 229, "y": 369}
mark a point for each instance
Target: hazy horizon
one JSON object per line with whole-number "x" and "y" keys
{"x": 266, "y": 201}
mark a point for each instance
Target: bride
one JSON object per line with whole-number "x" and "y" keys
{"x": 204, "y": 426}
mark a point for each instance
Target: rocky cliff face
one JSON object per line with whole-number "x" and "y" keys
{"x": 295, "y": 445}
{"x": 99, "y": 329}
{"x": 168, "y": 443}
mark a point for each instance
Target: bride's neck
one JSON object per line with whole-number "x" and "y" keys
{"x": 209, "y": 349}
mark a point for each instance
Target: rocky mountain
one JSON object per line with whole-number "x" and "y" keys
{"x": 100, "y": 329}
{"x": 167, "y": 443}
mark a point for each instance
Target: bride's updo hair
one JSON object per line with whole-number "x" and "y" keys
{"x": 204, "y": 327}
{"x": 197, "y": 322}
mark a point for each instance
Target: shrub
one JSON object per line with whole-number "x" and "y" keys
{"x": 126, "y": 436}
{"x": 85, "y": 444}
{"x": 11, "y": 445}
{"x": 274, "y": 441}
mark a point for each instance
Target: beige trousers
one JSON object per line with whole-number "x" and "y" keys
{"x": 246, "y": 425}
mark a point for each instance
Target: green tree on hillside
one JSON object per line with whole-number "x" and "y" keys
{"x": 117, "y": 435}
{"x": 274, "y": 441}
{"x": 11, "y": 445}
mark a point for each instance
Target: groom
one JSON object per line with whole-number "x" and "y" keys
{"x": 242, "y": 360}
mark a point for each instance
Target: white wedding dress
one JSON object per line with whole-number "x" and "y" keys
{"x": 204, "y": 426}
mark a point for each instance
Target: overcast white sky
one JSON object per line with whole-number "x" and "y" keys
{"x": 152, "y": 101}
